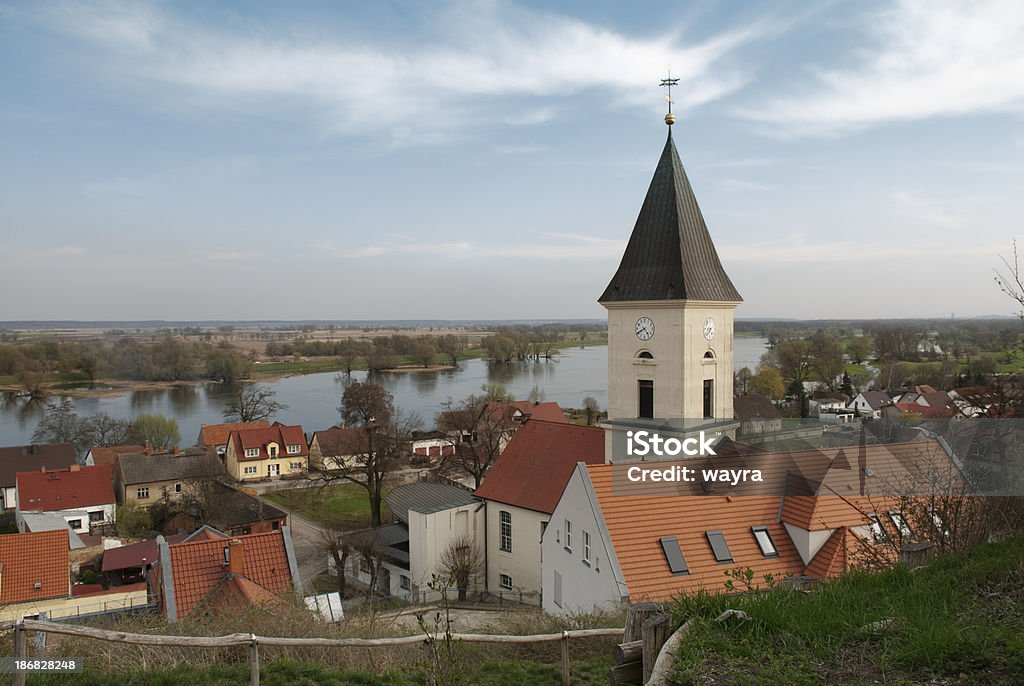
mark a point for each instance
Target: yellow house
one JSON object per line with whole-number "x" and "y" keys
{"x": 268, "y": 453}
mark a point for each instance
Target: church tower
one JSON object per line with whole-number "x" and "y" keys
{"x": 670, "y": 311}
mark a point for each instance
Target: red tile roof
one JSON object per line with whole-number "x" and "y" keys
{"x": 30, "y": 559}
{"x": 926, "y": 411}
{"x": 213, "y": 435}
{"x": 538, "y": 461}
{"x": 108, "y": 454}
{"x": 30, "y": 458}
{"x": 134, "y": 555}
{"x": 637, "y": 523}
{"x": 548, "y": 411}
{"x": 259, "y": 438}
{"x": 66, "y": 490}
{"x": 198, "y": 566}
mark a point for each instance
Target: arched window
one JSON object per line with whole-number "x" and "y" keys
{"x": 709, "y": 355}
{"x": 645, "y": 355}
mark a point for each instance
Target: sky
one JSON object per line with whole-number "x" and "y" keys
{"x": 487, "y": 159}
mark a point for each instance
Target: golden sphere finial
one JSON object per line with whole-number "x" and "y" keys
{"x": 670, "y": 119}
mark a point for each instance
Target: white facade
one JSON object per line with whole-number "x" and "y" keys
{"x": 575, "y": 578}
{"x": 431, "y": 533}
{"x": 681, "y": 358}
{"x": 78, "y": 519}
{"x": 514, "y": 569}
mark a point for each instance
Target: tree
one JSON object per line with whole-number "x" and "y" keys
{"x": 496, "y": 393}
{"x": 827, "y": 360}
{"x": 370, "y": 407}
{"x": 226, "y": 364}
{"x": 133, "y": 521}
{"x": 768, "y": 382}
{"x": 500, "y": 348}
{"x": 537, "y": 394}
{"x": 478, "y": 430}
{"x": 159, "y": 431}
{"x": 424, "y": 352}
{"x": 461, "y": 563}
{"x": 860, "y": 348}
{"x": 451, "y": 346}
{"x": 742, "y": 380}
{"x": 592, "y": 409}
{"x": 107, "y": 430}
{"x": 62, "y": 424}
{"x": 846, "y": 387}
{"x": 253, "y": 402}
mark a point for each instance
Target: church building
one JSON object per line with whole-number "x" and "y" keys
{"x": 670, "y": 315}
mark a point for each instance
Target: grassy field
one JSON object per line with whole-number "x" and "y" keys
{"x": 959, "y": 620}
{"x": 344, "y": 505}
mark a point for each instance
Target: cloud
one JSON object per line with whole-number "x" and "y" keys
{"x": 551, "y": 246}
{"x": 418, "y": 88}
{"x": 35, "y": 252}
{"x": 924, "y": 59}
{"x": 800, "y": 251}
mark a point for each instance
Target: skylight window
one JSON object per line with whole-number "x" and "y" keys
{"x": 674, "y": 555}
{"x": 900, "y": 523}
{"x": 764, "y": 541}
{"x": 718, "y": 546}
{"x": 876, "y": 528}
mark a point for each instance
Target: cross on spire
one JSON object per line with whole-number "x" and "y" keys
{"x": 668, "y": 82}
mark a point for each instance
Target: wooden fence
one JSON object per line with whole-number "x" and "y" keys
{"x": 253, "y": 642}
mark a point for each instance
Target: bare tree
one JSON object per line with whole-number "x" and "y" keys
{"x": 1011, "y": 281}
{"x": 477, "y": 430}
{"x": 379, "y": 450}
{"x": 592, "y": 409}
{"x": 253, "y": 402}
{"x": 461, "y": 564}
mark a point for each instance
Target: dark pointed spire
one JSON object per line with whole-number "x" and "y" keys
{"x": 670, "y": 255}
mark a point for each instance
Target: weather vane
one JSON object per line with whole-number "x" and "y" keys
{"x": 670, "y": 118}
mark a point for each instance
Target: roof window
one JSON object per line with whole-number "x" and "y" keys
{"x": 674, "y": 555}
{"x": 718, "y": 546}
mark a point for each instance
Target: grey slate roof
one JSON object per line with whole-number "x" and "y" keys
{"x": 754, "y": 406}
{"x": 670, "y": 255}
{"x": 425, "y": 497}
{"x": 32, "y": 458}
{"x": 142, "y": 469}
{"x": 389, "y": 540}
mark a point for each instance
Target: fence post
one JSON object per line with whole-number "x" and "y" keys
{"x": 19, "y": 652}
{"x": 41, "y": 635}
{"x": 254, "y": 661}
{"x": 565, "y": 658}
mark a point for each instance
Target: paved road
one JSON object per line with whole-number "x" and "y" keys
{"x": 309, "y": 548}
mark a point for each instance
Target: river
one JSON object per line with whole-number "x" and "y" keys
{"x": 313, "y": 399}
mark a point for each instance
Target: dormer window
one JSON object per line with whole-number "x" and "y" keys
{"x": 252, "y": 452}
{"x": 294, "y": 449}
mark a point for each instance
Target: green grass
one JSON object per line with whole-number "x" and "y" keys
{"x": 344, "y": 504}
{"x": 961, "y": 617}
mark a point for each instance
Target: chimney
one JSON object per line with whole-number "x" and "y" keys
{"x": 175, "y": 451}
{"x": 149, "y": 449}
{"x": 43, "y": 469}
{"x": 76, "y": 467}
{"x": 235, "y": 561}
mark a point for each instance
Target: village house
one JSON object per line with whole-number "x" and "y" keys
{"x": 83, "y": 496}
{"x": 267, "y": 453}
{"x": 520, "y": 492}
{"x": 757, "y": 414}
{"x": 211, "y": 503}
{"x": 213, "y": 438}
{"x": 149, "y": 479}
{"x": 816, "y": 514}
{"x": 400, "y": 559}
{"x": 870, "y": 403}
{"x": 108, "y": 454}
{"x": 211, "y": 574}
{"x": 30, "y": 458}
{"x": 338, "y": 448}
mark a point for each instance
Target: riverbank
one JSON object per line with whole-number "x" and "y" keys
{"x": 79, "y": 386}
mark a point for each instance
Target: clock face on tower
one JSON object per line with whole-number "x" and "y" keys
{"x": 644, "y": 328}
{"x": 709, "y": 328}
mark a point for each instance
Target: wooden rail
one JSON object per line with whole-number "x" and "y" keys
{"x": 252, "y": 641}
